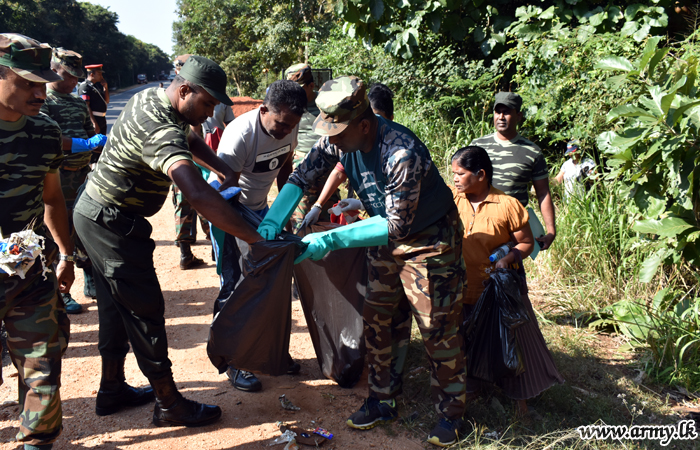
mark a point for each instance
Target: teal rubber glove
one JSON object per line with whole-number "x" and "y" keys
{"x": 365, "y": 233}
{"x": 280, "y": 211}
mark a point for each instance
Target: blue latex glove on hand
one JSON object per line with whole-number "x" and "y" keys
{"x": 84, "y": 145}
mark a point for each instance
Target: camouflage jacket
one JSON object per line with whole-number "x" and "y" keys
{"x": 147, "y": 138}
{"x": 29, "y": 149}
{"x": 72, "y": 116}
{"x": 516, "y": 163}
{"x": 396, "y": 179}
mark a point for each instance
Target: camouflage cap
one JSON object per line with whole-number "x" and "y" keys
{"x": 300, "y": 74}
{"x": 340, "y": 100}
{"x": 509, "y": 99}
{"x": 69, "y": 60}
{"x": 27, "y": 57}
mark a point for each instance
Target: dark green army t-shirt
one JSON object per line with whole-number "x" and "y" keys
{"x": 29, "y": 149}
{"x": 147, "y": 138}
{"x": 72, "y": 116}
{"x": 516, "y": 163}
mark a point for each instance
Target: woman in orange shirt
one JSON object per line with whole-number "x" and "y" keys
{"x": 491, "y": 219}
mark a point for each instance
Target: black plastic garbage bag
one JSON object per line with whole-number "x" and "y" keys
{"x": 252, "y": 321}
{"x": 491, "y": 347}
{"x": 332, "y": 293}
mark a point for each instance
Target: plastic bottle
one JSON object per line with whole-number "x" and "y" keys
{"x": 500, "y": 252}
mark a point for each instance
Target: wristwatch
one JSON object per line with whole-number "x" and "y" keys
{"x": 67, "y": 258}
{"x": 318, "y": 205}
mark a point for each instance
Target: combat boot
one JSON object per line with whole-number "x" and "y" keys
{"x": 187, "y": 259}
{"x": 114, "y": 393}
{"x": 174, "y": 410}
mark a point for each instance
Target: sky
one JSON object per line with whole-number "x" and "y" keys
{"x": 150, "y": 21}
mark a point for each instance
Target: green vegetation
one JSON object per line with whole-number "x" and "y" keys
{"x": 88, "y": 29}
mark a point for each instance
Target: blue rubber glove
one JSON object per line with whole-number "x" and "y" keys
{"x": 365, "y": 233}
{"x": 280, "y": 211}
{"x": 84, "y": 145}
{"x": 98, "y": 140}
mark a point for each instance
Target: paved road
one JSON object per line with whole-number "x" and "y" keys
{"x": 117, "y": 102}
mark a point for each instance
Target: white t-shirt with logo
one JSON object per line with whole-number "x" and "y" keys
{"x": 247, "y": 149}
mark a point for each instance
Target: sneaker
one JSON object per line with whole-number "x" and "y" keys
{"x": 72, "y": 307}
{"x": 373, "y": 413}
{"x": 445, "y": 433}
{"x": 242, "y": 380}
{"x": 294, "y": 367}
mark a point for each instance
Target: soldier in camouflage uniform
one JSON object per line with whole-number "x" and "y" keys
{"x": 419, "y": 273}
{"x": 72, "y": 116}
{"x": 517, "y": 161}
{"x": 30, "y": 190}
{"x": 301, "y": 74}
{"x": 185, "y": 215}
{"x": 150, "y": 147}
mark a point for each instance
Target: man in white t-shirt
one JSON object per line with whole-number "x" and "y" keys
{"x": 574, "y": 170}
{"x": 259, "y": 147}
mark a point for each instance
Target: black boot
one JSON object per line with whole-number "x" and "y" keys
{"x": 114, "y": 393}
{"x": 89, "y": 289}
{"x": 172, "y": 409}
{"x": 187, "y": 259}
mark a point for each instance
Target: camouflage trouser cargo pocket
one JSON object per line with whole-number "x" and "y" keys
{"x": 37, "y": 337}
{"x": 418, "y": 277}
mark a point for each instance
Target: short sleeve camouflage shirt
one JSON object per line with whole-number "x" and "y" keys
{"x": 147, "y": 138}
{"x": 29, "y": 149}
{"x": 72, "y": 116}
{"x": 396, "y": 180}
{"x": 516, "y": 163}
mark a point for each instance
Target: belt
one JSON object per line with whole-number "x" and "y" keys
{"x": 99, "y": 114}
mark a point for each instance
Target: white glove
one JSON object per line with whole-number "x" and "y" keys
{"x": 349, "y": 204}
{"x": 311, "y": 217}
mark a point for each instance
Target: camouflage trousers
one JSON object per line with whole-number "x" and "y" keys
{"x": 420, "y": 277}
{"x": 37, "y": 337}
{"x": 311, "y": 197}
{"x": 185, "y": 216}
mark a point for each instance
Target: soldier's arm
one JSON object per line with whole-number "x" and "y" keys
{"x": 86, "y": 97}
{"x": 209, "y": 203}
{"x": 547, "y": 208}
{"x": 56, "y": 219}
{"x": 205, "y": 156}
{"x": 403, "y": 189}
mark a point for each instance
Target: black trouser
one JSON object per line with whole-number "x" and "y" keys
{"x": 129, "y": 300}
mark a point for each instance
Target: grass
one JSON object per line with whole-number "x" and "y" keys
{"x": 600, "y": 388}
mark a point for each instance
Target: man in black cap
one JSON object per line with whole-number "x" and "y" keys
{"x": 517, "y": 162}
{"x": 150, "y": 146}
{"x": 95, "y": 91}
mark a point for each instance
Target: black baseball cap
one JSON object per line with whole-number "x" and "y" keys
{"x": 209, "y": 75}
{"x": 509, "y": 99}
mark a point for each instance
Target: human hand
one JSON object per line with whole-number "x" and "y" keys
{"x": 351, "y": 204}
{"x": 66, "y": 275}
{"x": 268, "y": 232}
{"x": 317, "y": 247}
{"x": 98, "y": 140}
{"x": 546, "y": 240}
{"x": 311, "y": 217}
{"x": 229, "y": 179}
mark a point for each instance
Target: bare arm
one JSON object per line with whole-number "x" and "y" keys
{"x": 286, "y": 170}
{"x": 525, "y": 242}
{"x": 209, "y": 203}
{"x": 559, "y": 178}
{"x": 56, "y": 219}
{"x": 547, "y": 208}
{"x": 335, "y": 179}
{"x": 205, "y": 156}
